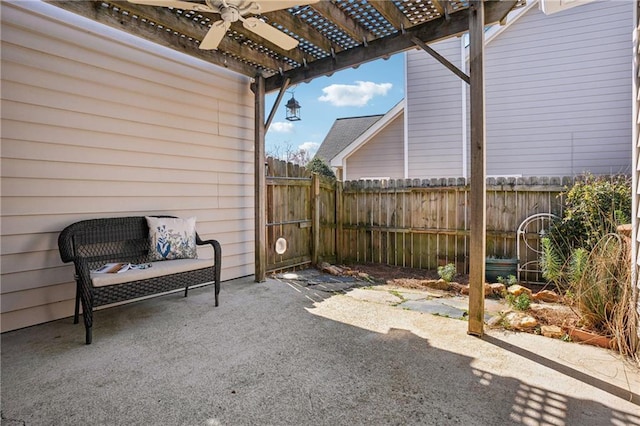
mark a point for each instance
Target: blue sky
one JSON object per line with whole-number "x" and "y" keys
{"x": 372, "y": 88}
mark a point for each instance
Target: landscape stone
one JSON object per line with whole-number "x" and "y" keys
{"x": 517, "y": 290}
{"x": 547, "y": 296}
{"x": 495, "y": 321}
{"x": 552, "y": 331}
{"x": 437, "y": 284}
{"x": 332, "y": 269}
{"x": 488, "y": 290}
{"x": 520, "y": 320}
{"x": 497, "y": 288}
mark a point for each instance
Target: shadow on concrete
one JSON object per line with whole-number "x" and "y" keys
{"x": 617, "y": 391}
{"x": 263, "y": 358}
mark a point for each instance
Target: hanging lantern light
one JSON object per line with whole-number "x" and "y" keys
{"x": 293, "y": 109}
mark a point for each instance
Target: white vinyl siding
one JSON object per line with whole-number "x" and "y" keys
{"x": 96, "y": 123}
{"x": 434, "y": 111}
{"x": 382, "y": 156}
{"x": 557, "y": 89}
{"x": 635, "y": 235}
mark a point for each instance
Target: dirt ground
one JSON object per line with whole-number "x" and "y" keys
{"x": 403, "y": 277}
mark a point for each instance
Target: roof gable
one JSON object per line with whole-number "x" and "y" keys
{"x": 368, "y": 133}
{"x": 343, "y": 132}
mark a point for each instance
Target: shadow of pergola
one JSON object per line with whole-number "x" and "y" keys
{"x": 269, "y": 354}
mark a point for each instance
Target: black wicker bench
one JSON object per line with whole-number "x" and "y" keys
{"x": 90, "y": 244}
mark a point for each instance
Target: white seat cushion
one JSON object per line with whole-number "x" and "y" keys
{"x": 157, "y": 269}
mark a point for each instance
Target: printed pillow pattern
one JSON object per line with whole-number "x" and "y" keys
{"x": 172, "y": 238}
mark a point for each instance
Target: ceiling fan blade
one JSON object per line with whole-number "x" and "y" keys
{"x": 215, "y": 35}
{"x": 270, "y": 33}
{"x": 271, "y": 5}
{"x": 178, "y": 4}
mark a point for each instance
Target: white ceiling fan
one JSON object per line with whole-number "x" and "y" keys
{"x": 235, "y": 10}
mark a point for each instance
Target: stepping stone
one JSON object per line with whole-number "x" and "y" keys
{"x": 434, "y": 307}
{"x": 377, "y": 296}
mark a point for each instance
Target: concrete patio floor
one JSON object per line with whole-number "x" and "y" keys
{"x": 285, "y": 353}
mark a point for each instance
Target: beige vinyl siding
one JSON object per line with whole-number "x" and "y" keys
{"x": 558, "y": 92}
{"x": 434, "y": 113}
{"x": 96, "y": 123}
{"x": 381, "y": 156}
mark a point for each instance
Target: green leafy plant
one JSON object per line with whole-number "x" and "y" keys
{"x": 594, "y": 206}
{"x": 509, "y": 281}
{"x": 447, "y": 272}
{"x": 317, "y": 165}
{"x": 583, "y": 255}
{"x": 520, "y": 302}
{"x": 577, "y": 264}
{"x": 551, "y": 262}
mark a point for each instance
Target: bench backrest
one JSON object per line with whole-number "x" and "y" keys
{"x": 100, "y": 241}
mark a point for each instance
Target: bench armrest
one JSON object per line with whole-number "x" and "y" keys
{"x": 217, "y": 254}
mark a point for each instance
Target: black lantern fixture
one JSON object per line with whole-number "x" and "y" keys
{"x": 293, "y": 109}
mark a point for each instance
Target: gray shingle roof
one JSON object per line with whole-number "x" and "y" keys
{"x": 342, "y": 133}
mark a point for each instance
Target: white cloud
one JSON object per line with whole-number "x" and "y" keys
{"x": 281, "y": 127}
{"x": 310, "y": 147}
{"x": 353, "y": 94}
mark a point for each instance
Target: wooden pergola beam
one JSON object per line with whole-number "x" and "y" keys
{"x": 438, "y": 57}
{"x": 391, "y": 13}
{"x": 428, "y": 32}
{"x": 302, "y": 29}
{"x": 347, "y": 25}
{"x": 94, "y": 10}
{"x": 170, "y": 20}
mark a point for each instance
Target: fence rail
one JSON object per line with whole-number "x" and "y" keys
{"x": 407, "y": 222}
{"x": 425, "y": 223}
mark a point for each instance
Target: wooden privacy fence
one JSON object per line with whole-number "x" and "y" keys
{"x": 411, "y": 223}
{"x": 425, "y": 223}
{"x": 301, "y": 212}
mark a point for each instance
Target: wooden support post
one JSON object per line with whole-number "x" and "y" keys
{"x": 260, "y": 182}
{"x": 477, "y": 196}
{"x": 315, "y": 218}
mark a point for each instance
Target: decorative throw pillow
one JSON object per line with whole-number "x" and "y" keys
{"x": 172, "y": 238}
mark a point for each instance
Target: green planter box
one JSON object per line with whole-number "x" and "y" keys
{"x": 495, "y": 268}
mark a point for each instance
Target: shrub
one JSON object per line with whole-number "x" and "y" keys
{"x": 594, "y": 207}
{"x": 520, "y": 302}
{"x": 509, "y": 281}
{"x": 583, "y": 255}
{"x": 317, "y": 165}
{"x": 447, "y": 272}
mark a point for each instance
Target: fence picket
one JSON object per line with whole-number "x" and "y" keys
{"x": 405, "y": 222}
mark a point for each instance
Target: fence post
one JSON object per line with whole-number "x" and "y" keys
{"x": 338, "y": 216}
{"x": 315, "y": 217}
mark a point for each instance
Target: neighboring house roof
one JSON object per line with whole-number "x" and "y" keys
{"x": 367, "y": 134}
{"x": 342, "y": 133}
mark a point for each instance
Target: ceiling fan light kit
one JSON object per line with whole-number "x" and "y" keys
{"x": 232, "y": 11}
